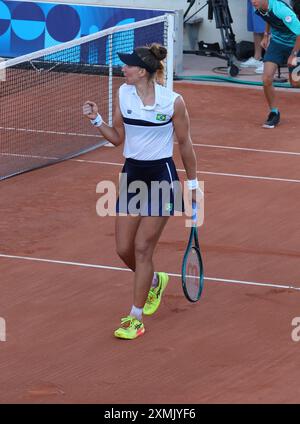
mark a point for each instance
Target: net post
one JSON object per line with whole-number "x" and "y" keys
{"x": 110, "y": 79}
{"x": 170, "y": 48}
{"x": 2, "y": 70}
{"x": 110, "y": 84}
{"x": 2, "y": 330}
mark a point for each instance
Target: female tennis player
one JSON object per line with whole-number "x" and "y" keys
{"x": 145, "y": 118}
{"x": 282, "y": 46}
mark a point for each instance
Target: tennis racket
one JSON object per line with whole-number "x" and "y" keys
{"x": 192, "y": 274}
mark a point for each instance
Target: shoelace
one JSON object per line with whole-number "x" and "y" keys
{"x": 151, "y": 296}
{"x": 126, "y": 320}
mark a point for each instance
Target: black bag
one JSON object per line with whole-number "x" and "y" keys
{"x": 244, "y": 50}
{"x": 208, "y": 48}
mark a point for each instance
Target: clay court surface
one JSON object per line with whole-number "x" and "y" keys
{"x": 233, "y": 346}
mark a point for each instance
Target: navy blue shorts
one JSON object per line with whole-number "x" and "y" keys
{"x": 279, "y": 53}
{"x": 149, "y": 188}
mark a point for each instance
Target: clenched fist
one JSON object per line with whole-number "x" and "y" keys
{"x": 90, "y": 110}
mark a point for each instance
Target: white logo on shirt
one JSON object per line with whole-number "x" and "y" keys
{"x": 288, "y": 19}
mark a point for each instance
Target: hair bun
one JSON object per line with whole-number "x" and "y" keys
{"x": 160, "y": 52}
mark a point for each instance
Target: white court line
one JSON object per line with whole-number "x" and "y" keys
{"x": 220, "y": 174}
{"x": 223, "y": 174}
{"x": 50, "y": 132}
{"x": 212, "y": 146}
{"x": 114, "y": 268}
{"x": 179, "y": 170}
{"x": 19, "y": 155}
{"x": 246, "y": 149}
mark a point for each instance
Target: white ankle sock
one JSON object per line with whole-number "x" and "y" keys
{"x": 155, "y": 280}
{"x": 136, "y": 312}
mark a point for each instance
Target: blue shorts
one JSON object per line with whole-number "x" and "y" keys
{"x": 278, "y": 53}
{"x": 254, "y": 22}
{"x": 149, "y": 188}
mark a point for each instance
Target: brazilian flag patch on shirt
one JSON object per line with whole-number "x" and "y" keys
{"x": 161, "y": 117}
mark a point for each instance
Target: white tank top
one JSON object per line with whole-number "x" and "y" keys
{"x": 148, "y": 129}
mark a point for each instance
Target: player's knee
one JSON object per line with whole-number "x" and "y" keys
{"x": 143, "y": 250}
{"x": 267, "y": 80}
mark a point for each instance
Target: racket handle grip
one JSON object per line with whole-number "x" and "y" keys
{"x": 194, "y": 211}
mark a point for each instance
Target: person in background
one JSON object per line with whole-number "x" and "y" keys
{"x": 256, "y": 25}
{"x": 282, "y": 44}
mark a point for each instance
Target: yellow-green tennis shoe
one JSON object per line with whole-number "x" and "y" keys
{"x": 155, "y": 294}
{"x": 130, "y": 328}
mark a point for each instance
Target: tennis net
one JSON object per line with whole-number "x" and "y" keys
{"x": 41, "y": 94}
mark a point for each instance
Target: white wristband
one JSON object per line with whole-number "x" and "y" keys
{"x": 193, "y": 184}
{"x": 98, "y": 121}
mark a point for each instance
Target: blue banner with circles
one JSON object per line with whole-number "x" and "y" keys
{"x": 28, "y": 26}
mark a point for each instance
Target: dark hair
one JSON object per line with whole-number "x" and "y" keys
{"x": 296, "y": 7}
{"x": 153, "y": 57}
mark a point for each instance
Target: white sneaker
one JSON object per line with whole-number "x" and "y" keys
{"x": 260, "y": 68}
{"x": 250, "y": 63}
